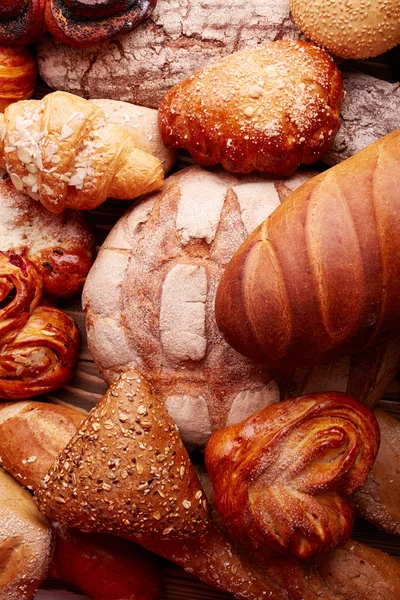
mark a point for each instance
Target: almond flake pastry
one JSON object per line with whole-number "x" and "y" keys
{"x": 66, "y": 153}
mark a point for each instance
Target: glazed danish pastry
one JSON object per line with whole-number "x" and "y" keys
{"x": 39, "y": 344}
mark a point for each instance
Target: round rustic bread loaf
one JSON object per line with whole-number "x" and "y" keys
{"x": 177, "y": 39}
{"x": 149, "y": 300}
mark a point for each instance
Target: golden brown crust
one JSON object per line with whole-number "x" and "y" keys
{"x": 39, "y": 344}
{"x": 63, "y": 151}
{"x": 18, "y": 71}
{"x": 284, "y": 478}
{"x": 126, "y": 471}
{"x": 350, "y": 28}
{"x": 26, "y": 542}
{"x": 378, "y": 500}
{"x": 62, "y": 247}
{"x": 327, "y": 257}
{"x": 270, "y": 107}
{"x": 32, "y": 434}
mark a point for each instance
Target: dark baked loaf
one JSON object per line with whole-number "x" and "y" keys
{"x": 378, "y": 500}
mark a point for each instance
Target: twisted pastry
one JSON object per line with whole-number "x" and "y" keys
{"x": 63, "y": 151}
{"x": 38, "y": 344}
{"x": 283, "y": 479}
{"x": 75, "y": 22}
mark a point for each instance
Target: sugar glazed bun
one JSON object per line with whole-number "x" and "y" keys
{"x": 350, "y": 28}
{"x": 149, "y": 302}
{"x": 60, "y": 246}
{"x": 270, "y": 107}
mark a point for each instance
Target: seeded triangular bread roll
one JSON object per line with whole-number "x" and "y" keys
{"x": 126, "y": 470}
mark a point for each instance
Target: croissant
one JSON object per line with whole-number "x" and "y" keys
{"x": 39, "y": 344}
{"x": 18, "y": 71}
{"x": 319, "y": 278}
{"x": 63, "y": 151}
{"x": 283, "y": 479}
{"x": 77, "y": 23}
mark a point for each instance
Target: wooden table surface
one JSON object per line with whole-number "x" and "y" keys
{"x": 87, "y": 386}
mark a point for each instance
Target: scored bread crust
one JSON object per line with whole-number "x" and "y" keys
{"x": 176, "y": 40}
{"x": 60, "y": 246}
{"x": 26, "y": 542}
{"x": 149, "y": 302}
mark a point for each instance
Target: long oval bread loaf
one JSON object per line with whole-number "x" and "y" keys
{"x": 320, "y": 277}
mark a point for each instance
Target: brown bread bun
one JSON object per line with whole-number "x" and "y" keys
{"x": 32, "y": 434}
{"x": 378, "y": 499}
{"x": 319, "y": 278}
{"x": 350, "y": 28}
{"x": 284, "y": 478}
{"x": 26, "y": 542}
{"x": 173, "y": 246}
{"x": 61, "y": 247}
{"x": 139, "y": 481}
{"x": 18, "y": 71}
{"x": 271, "y": 108}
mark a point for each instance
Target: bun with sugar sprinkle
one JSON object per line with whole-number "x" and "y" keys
{"x": 269, "y": 108}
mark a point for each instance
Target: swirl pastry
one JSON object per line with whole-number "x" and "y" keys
{"x": 63, "y": 151}
{"x": 38, "y": 344}
{"x": 283, "y": 479}
{"x": 75, "y": 22}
